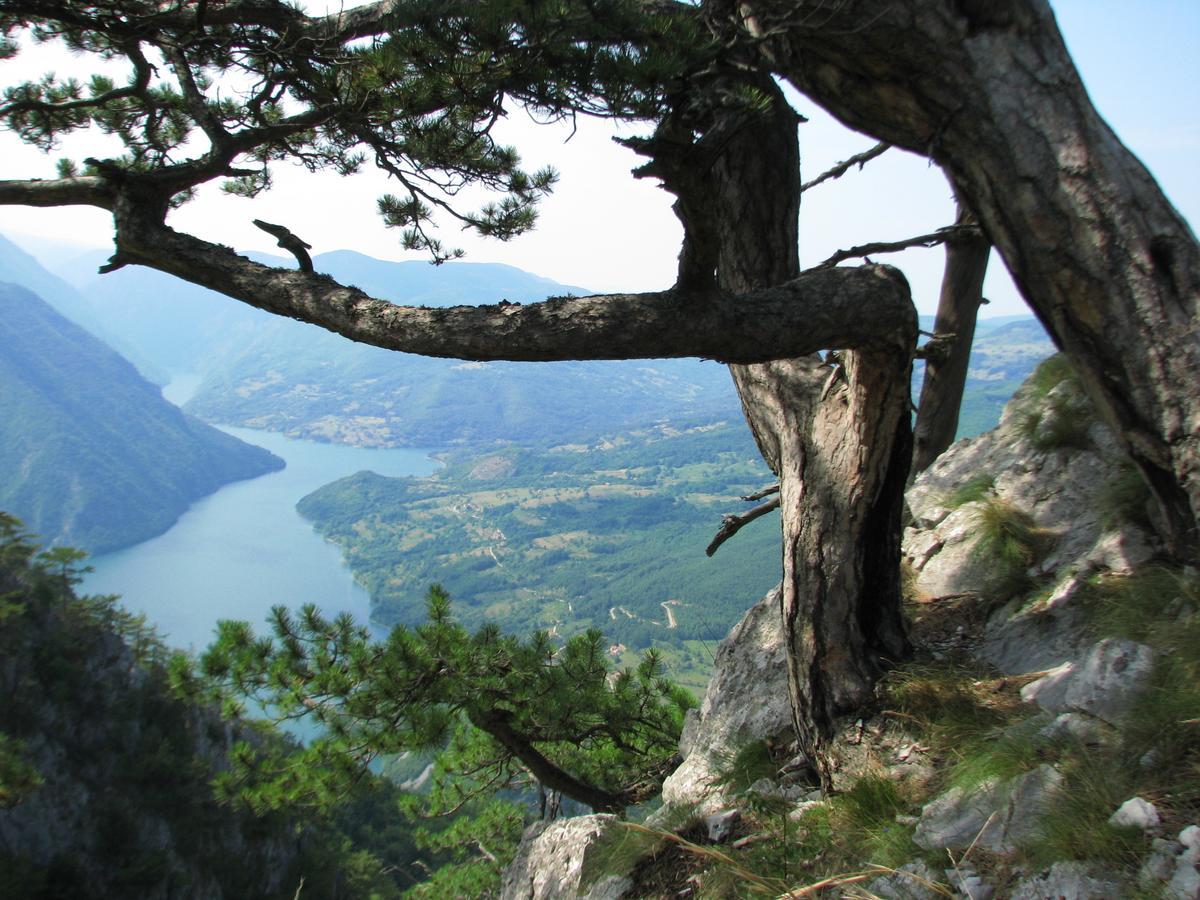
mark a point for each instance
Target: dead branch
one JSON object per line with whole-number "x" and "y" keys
{"x": 765, "y": 492}
{"x": 859, "y": 159}
{"x": 289, "y": 242}
{"x": 949, "y": 233}
{"x": 732, "y": 523}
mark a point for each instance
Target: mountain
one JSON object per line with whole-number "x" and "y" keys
{"x": 19, "y": 267}
{"x": 268, "y": 372}
{"x": 90, "y": 453}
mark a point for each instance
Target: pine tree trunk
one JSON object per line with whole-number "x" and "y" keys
{"x": 836, "y": 434}
{"x": 947, "y": 359}
{"x": 989, "y": 91}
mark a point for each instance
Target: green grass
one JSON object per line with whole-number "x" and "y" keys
{"x": 1075, "y": 826}
{"x": 975, "y": 489}
{"x": 1126, "y": 498}
{"x": 1055, "y": 420}
{"x": 1009, "y": 534}
{"x": 746, "y": 765}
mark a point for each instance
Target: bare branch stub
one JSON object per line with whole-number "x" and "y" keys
{"x": 289, "y": 242}
{"x": 765, "y": 492}
{"x": 859, "y": 159}
{"x": 732, "y": 523}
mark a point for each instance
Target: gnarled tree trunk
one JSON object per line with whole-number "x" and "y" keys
{"x": 989, "y": 91}
{"x": 835, "y": 431}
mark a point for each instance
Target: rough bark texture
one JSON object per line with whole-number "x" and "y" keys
{"x": 949, "y": 353}
{"x": 856, "y": 307}
{"x": 836, "y": 434}
{"x": 989, "y": 91}
{"x": 546, "y": 771}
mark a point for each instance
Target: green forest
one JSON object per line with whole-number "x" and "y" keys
{"x": 610, "y": 535}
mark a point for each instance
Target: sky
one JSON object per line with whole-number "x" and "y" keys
{"x": 602, "y": 230}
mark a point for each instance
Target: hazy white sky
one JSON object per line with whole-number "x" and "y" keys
{"x": 605, "y": 231}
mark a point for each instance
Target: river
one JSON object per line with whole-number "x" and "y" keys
{"x": 244, "y": 549}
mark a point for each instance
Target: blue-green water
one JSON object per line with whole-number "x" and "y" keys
{"x": 244, "y": 549}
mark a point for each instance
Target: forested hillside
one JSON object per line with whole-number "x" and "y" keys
{"x": 106, "y": 774}
{"x": 90, "y": 453}
{"x": 609, "y": 535}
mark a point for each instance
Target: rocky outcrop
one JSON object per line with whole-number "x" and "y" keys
{"x": 746, "y": 701}
{"x": 1064, "y": 490}
{"x": 1101, "y": 683}
{"x": 1076, "y": 880}
{"x": 567, "y": 858}
{"x": 995, "y": 815}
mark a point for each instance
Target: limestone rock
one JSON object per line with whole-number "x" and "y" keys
{"x": 1030, "y": 639}
{"x": 956, "y": 566}
{"x": 1159, "y": 866}
{"x": 1185, "y": 882}
{"x": 914, "y": 881}
{"x": 970, "y": 884}
{"x": 1063, "y": 491}
{"x": 720, "y": 825}
{"x": 994, "y": 815}
{"x": 557, "y": 860}
{"x": 746, "y": 700}
{"x": 1102, "y": 683}
{"x": 1136, "y": 813}
{"x": 1076, "y": 880}
{"x": 1078, "y": 727}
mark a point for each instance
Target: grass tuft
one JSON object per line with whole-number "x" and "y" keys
{"x": 975, "y": 489}
{"x": 746, "y": 765}
{"x": 1126, "y": 498}
{"x": 1009, "y": 536}
{"x": 1056, "y": 413}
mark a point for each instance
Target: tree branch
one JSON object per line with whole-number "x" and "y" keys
{"x": 845, "y": 307}
{"x": 88, "y": 190}
{"x": 859, "y": 159}
{"x": 289, "y": 242}
{"x": 732, "y": 523}
{"x": 941, "y": 236}
{"x": 765, "y": 492}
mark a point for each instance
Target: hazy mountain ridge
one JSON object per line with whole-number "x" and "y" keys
{"x": 262, "y": 371}
{"x": 92, "y": 455}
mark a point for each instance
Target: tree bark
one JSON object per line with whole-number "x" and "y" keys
{"x": 989, "y": 92}
{"x": 836, "y": 435}
{"x": 949, "y": 353}
{"x": 850, "y": 307}
{"x": 544, "y": 770}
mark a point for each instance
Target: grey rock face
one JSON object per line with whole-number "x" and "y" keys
{"x": 914, "y": 881}
{"x": 1076, "y": 880}
{"x": 746, "y": 700}
{"x": 557, "y": 860}
{"x": 1102, "y": 683}
{"x": 994, "y": 815}
{"x": 1136, "y": 813}
{"x": 1030, "y": 640}
{"x": 1063, "y": 491}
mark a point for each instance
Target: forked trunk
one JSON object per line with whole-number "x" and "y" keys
{"x": 835, "y": 432}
